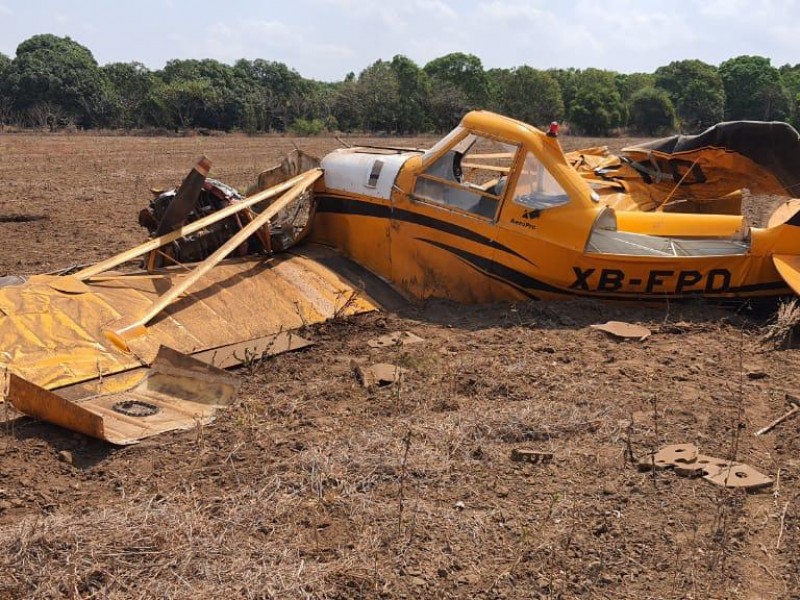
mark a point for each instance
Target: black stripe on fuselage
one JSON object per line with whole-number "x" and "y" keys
{"x": 353, "y": 206}
{"x": 498, "y": 271}
{"x": 529, "y": 285}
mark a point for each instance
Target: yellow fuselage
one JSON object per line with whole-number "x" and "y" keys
{"x": 430, "y": 250}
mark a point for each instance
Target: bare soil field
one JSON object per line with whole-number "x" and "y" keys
{"x": 312, "y": 486}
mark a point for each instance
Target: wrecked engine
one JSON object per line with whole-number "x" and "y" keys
{"x": 198, "y": 246}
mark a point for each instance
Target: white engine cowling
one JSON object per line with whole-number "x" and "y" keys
{"x": 365, "y": 171}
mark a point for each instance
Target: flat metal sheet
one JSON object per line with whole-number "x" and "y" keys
{"x": 177, "y": 392}
{"x": 52, "y": 335}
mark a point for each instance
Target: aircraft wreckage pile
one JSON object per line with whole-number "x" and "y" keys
{"x": 494, "y": 211}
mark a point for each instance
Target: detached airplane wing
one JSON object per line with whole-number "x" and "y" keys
{"x": 124, "y": 356}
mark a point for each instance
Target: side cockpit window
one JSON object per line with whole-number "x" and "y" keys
{"x": 470, "y": 176}
{"x": 537, "y": 188}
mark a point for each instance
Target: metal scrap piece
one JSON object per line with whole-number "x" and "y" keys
{"x": 380, "y": 375}
{"x": 185, "y": 391}
{"x": 702, "y": 465}
{"x": 397, "y": 338}
{"x": 740, "y": 476}
{"x": 620, "y": 329}
{"x": 669, "y": 456}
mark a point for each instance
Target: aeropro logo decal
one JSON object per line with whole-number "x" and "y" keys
{"x": 655, "y": 282}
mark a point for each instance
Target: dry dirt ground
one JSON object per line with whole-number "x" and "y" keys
{"x": 313, "y": 487}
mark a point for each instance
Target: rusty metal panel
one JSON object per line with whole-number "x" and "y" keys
{"x": 35, "y": 401}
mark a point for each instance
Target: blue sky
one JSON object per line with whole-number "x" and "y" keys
{"x": 325, "y": 39}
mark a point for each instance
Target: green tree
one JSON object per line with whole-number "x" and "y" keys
{"x": 527, "y": 94}
{"x": 346, "y": 110}
{"x": 322, "y": 102}
{"x": 696, "y": 91}
{"x": 5, "y": 65}
{"x": 754, "y": 89}
{"x": 130, "y": 85}
{"x": 448, "y": 103}
{"x": 413, "y": 90}
{"x": 56, "y": 72}
{"x": 158, "y": 107}
{"x": 597, "y": 107}
{"x": 225, "y": 91}
{"x": 465, "y": 72}
{"x": 5, "y": 98}
{"x": 379, "y": 96}
{"x": 280, "y": 91}
{"x": 190, "y": 103}
{"x": 568, "y": 82}
{"x": 630, "y": 83}
{"x": 652, "y": 112}
{"x": 790, "y": 75}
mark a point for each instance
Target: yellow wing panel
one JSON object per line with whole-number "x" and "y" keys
{"x": 54, "y": 338}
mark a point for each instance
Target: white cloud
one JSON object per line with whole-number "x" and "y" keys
{"x": 745, "y": 11}
{"x": 325, "y": 39}
{"x": 435, "y": 7}
{"x": 513, "y": 12}
{"x": 724, "y": 8}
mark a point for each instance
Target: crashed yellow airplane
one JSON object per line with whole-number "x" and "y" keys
{"x": 493, "y": 211}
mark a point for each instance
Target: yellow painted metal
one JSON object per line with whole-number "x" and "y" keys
{"x": 429, "y": 249}
{"x": 680, "y": 224}
{"x": 789, "y": 268}
{"x": 177, "y": 392}
{"x": 54, "y": 339}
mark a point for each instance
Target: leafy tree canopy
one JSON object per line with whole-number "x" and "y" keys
{"x": 58, "y": 71}
{"x": 696, "y": 91}
{"x": 630, "y": 83}
{"x": 379, "y": 96}
{"x": 464, "y": 71}
{"x": 5, "y": 63}
{"x": 652, "y": 112}
{"x": 53, "y": 81}
{"x": 597, "y": 107}
{"x": 413, "y": 90}
{"x": 754, "y": 89}
{"x": 526, "y": 94}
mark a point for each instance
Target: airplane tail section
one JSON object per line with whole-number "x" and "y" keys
{"x": 789, "y": 268}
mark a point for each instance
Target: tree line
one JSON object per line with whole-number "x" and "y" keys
{"x": 56, "y": 82}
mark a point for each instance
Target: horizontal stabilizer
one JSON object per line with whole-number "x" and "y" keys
{"x": 789, "y": 269}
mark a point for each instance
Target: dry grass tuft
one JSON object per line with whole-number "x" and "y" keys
{"x": 781, "y": 331}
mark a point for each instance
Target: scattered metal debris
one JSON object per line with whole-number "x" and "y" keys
{"x": 380, "y": 375}
{"x": 670, "y": 456}
{"x": 397, "y": 338}
{"x": 531, "y": 456}
{"x": 700, "y": 466}
{"x": 739, "y": 476}
{"x": 623, "y": 330}
{"x": 686, "y": 461}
